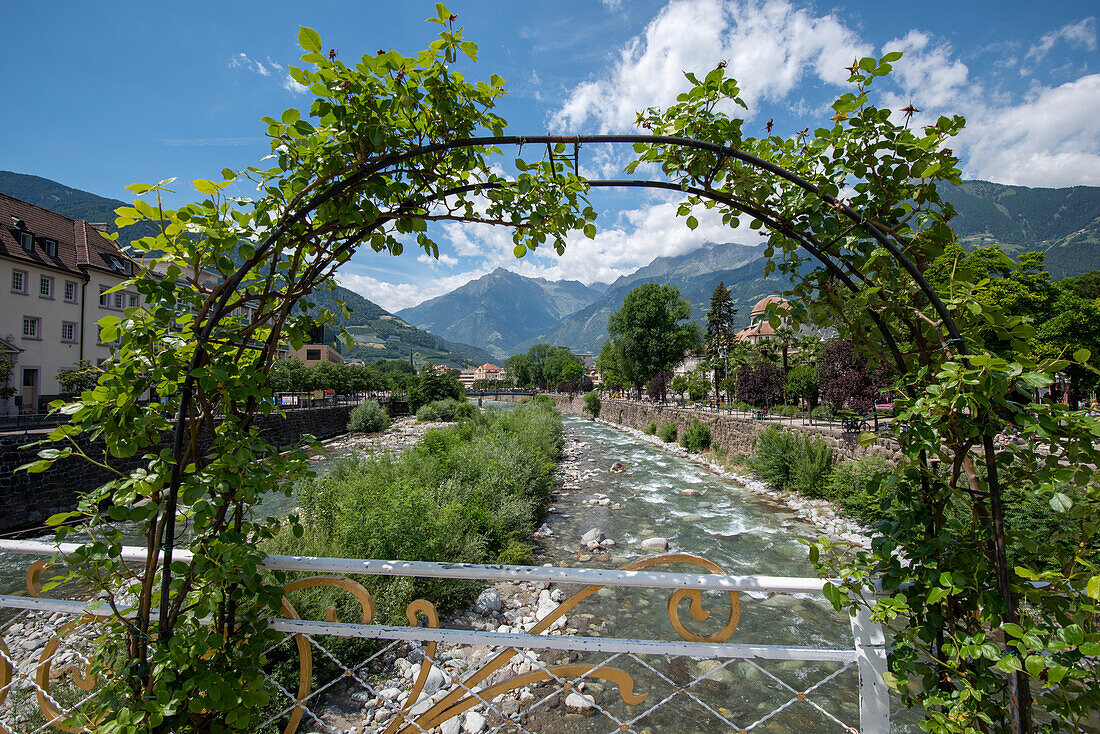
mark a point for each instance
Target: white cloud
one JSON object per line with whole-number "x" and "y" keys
{"x": 1050, "y": 139}
{"x": 444, "y": 258}
{"x": 242, "y": 61}
{"x": 290, "y": 85}
{"x": 623, "y": 244}
{"x": 612, "y": 4}
{"x": 396, "y": 296}
{"x": 770, "y": 47}
{"x": 928, "y": 73}
{"x": 1078, "y": 35}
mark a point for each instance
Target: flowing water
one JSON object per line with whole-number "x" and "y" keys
{"x": 743, "y": 533}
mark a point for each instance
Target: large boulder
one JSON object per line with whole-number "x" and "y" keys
{"x": 657, "y": 544}
{"x": 488, "y": 602}
{"x": 595, "y": 534}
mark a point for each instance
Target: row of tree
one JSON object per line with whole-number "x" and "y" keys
{"x": 385, "y": 376}
{"x": 544, "y": 366}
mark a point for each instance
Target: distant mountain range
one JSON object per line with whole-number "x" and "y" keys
{"x": 502, "y": 309}
{"x": 378, "y": 334}
{"x": 1063, "y": 223}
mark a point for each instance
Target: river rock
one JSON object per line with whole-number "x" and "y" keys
{"x": 487, "y": 602}
{"x": 618, "y": 466}
{"x": 692, "y": 518}
{"x": 659, "y": 544}
{"x": 689, "y": 492}
{"x": 451, "y": 726}
{"x": 580, "y": 703}
{"x": 436, "y": 680}
{"x": 474, "y": 723}
{"x": 595, "y": 534}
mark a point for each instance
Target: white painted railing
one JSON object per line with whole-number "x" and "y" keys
{"x": 867, "y": 652}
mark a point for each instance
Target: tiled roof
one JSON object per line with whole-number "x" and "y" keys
{"x": 762, "y": 305}
{"x": 488, "y": 366}
{"x": 79, "y": 244}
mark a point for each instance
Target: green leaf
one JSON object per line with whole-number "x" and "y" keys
{"x": 1034, "y": 665}
{"x": 590, "y": 231}
{"x": 205, "y": 186}
{"x": 291, "y": 116}
{"x": 1092, "y": 588}
{"x": 1009, "y": 664}
{"x": 692, "y": 222}
{"x": 834, "y": 594}
{"x": 519, "y": 250}
{"x": 891, "y": 57}
{"x": 1060, "y": 502}
{"x": 309, "y": 39}
{"x": 1082, "y": 355}
{"x": 60, "y": 517}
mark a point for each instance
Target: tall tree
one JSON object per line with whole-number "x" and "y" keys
{"x": 652, "y": 331}
{"x": 719, "y": 335}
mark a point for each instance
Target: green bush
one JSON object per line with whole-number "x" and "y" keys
{"x": 368, "y": 417}
{"x": 787, "y": 461}
{"x": 822, "y": 412}
{"x": 429, "y": 414}
{"x": 650, "y": 429}
{"x": 592, "y": 404}
{"x": 814, "y": 462}
{"x": 853, "y": 486}
{"x": 667, "y": 432}
{"x": 465, "y": 411}
{"x": 785, "y": 410}
{"x": 696, "y": 438}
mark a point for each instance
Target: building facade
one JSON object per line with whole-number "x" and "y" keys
{"x": 54, "y": 276}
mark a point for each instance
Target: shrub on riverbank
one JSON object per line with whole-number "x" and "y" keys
{"x": 465, "y": 493}
{"x": 650, "y": 429}
{"x": 470, "y": 493}
{"x": 592, "y": 404}
{"x": 368, "y": 417}
{"x": 696, "y": 438}
{"x": 667, "y": 432}
{"x": 791, "y": 462}
{"x": 447, "y": 410}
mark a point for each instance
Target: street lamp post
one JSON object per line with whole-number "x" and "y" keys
{"x": 724, "y": 353}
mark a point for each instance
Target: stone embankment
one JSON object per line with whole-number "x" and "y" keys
{"x": 732, "y": 433}
{"x": 28, "y": 499}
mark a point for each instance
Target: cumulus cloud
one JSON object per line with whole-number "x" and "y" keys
{"x": 929, "y": 71}
{"x": 628, "y": 241}
{"x": 1078, "y": 35}
{"x": 770, "y": 47}
{"x": 1050, "y": 139}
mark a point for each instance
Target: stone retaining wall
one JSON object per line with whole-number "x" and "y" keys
{"x": 735, "y": 435}
{"x": 28, "y": 499}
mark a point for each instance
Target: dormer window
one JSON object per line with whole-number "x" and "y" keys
{"x": 26, "y": 241}
{"x": 50, "y": 246}
{"x": 119, "y": 265}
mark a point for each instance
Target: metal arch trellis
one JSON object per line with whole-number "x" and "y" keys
{"x": 858, "y": 221}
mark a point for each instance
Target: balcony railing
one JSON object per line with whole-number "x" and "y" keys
{"x": 543, "y": 678}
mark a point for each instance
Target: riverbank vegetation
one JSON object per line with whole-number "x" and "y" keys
{"x": 470, "y": 493}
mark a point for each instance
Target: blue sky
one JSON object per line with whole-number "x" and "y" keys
{"x": 105, "y": 94}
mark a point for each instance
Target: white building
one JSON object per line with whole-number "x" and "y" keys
{"x": 53, "y": 274}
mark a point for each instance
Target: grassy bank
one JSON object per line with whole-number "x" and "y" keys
{"x": 469, "y": 493}
{"x": 867, "y": 490}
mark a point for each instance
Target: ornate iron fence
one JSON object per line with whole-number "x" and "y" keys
{"x": 543, "y": 678}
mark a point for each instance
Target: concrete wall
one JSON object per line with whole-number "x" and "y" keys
{"x": 731, "y": 433}
{"x": 28, "y": 499}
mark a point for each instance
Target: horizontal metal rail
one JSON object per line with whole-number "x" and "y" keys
{"x": 480, "y": 572}
{"x": 491, "y": 639}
